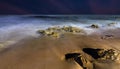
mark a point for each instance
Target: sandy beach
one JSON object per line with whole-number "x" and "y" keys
{"x": 49, "y": 53}
{"x": 78, "y": 42}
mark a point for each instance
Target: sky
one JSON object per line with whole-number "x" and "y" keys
{"x": 59, "y": 6}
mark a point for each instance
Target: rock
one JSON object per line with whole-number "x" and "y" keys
{"x": 41, "y": 31}
{"x": 55, "y": 34}
{"x": 86, "y": 64}
{"x": 47, "y": 32}
{"x": 54, "y": 28}
{"x": 108, "y": 55}
{"x": 66, "y": 29}
{"x": 103, "y": 55}
{"x": 112, "y": 24}
{"x": 94, "y": 26}
{"x": 72, "y": 29}
{"x": 57, "y": 31}
{"x": 82, "y": 61}
{"x": 75, "y": 30}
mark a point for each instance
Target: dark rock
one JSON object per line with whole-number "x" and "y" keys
{"x": 94, "y": 26}
{"x": 82, "y": 61}
{"x": 103, "y": 54}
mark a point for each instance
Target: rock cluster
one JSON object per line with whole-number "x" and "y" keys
{"x": 58, "y": 31}
{"x": 103, "y": 54}
{"x": 108, "y": 55}
{"x": 99, "y": 55}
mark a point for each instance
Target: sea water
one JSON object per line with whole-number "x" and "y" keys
{"x": 17, "y": 27}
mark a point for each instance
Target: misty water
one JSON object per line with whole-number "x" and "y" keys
{"x": 16, "y": 27}
{"x": 17, "y": 52}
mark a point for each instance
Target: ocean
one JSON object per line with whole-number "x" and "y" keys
{"x": 17, "y": 27}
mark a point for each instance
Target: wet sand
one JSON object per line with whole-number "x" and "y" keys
{"x": 49, "y": 53}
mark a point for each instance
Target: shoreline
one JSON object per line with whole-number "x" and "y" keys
{"x": 49, "y": 53}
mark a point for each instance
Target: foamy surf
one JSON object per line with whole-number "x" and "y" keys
{"x": 15, "y": 28}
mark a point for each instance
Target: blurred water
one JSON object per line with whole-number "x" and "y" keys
{"x": 18, "y": 26}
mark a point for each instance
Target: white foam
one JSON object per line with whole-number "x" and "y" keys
{"x": 19, "y": 31}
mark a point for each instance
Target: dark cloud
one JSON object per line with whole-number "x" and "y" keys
{"x": 105, "y": 6}
{"x": 60, "y": 7}
{"x": 6, "y": 8}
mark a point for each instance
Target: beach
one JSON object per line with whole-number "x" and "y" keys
{"x": 44, "y": 52}
{"x": 49, "y": 53}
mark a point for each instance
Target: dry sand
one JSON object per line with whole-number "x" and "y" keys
{"x": 49, "y": 53}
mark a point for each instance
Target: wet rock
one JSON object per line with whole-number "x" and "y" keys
{"x": 82, "y": 61}
{"x": 57, "y": 31}
{"x": 45, "y": 32}
{"x": 103, "y": 55}
{"x": 71, "y": 29}
{"x": 54, "y": 28}
{"x": 94, "y": 26}
{"x": 112, "y": 24}
{"x": 66, "y": 29}
{"x": 108, "y": 55}
{"x": 41, "y": 31}
{"x": 75, "y": 30}
{"x": 55, "y": 34}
